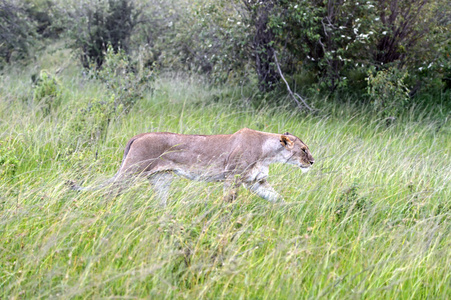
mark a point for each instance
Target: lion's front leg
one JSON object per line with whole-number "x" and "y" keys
{"x": 161, "y": 183}
{"x": 263, "y": 189}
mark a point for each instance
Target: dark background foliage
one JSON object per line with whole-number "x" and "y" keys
{"x": 332, "y": 47}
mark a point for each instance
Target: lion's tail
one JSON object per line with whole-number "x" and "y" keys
{"x": 73, "y": 186}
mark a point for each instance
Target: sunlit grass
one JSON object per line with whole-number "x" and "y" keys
{"x": 370, "y": 220}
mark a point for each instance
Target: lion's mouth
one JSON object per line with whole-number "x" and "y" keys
{"x": 305, "y": 168}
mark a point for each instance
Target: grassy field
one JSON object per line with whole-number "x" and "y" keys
{"x": 370, "y": 220}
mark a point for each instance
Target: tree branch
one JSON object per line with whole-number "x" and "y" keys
{"x": 293, "y": 95}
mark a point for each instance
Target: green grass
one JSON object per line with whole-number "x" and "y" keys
{"x": 370, "y": 220}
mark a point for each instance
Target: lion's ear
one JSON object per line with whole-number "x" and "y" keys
{"x": 286, "y": 142}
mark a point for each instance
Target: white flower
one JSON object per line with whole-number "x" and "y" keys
{"x": 430, "y": 65}
{"x": 384, "y": 32}
{"x": 377, "y": 19}
{"x": 420, "y": 68}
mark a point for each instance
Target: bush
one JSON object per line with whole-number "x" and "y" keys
{"x": 90, "y": 123}
{"x": 334, "y": 40}
{"x": 101, "y": 24}
{"x": 47, "y": 92}
{"x": 17, "y": 31}
{"x": 127, "y": 82}
{"x": 388, "y": 91}
{"x": 351, "y": 201}
{"x": 8, "y": 161}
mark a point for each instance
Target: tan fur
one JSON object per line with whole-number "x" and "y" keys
{"x": 242, "y": 158}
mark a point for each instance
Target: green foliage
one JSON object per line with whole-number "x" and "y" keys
{"x": 335, "y": 42}
{"x": 388, "y": 92}
{"x": 24, "y": 25}
{"x": 8, "y": 161}
{"x": 223, "y": 39}
{"x": 48, "y": 16}
{"x": 17, "y": 31}
{"x": 207, "y": 37}
{"x": 350, "y": 201}
{"x": 47, "y": 92}
{"x": 435, "y": 73}
{"x": 91, "y": 121}
{"x": 100, "y": 24}
{"x": 127, "y": 82}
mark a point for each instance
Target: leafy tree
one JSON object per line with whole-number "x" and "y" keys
{"x": 46, "y": 14}
{"x": 97, "y": 25}
{"x": 262, "y": 43}
{"x": 17, "y": 30}
{"x": 336, "y": 39}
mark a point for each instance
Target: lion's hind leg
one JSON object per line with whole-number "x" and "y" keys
{"x": 161, "y": 183}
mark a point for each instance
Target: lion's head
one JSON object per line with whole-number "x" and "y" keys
{"x": 297, "y": 153}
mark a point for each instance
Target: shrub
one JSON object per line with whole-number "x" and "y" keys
{"x": 127, "y": 82}
{"x": 388, "y": 91}
{"x": 351, "y": 201}
{"x": 101, "y": 24}
{"x": 47, "y": 92}
{"x": 17, "y": 31}
{"x": 91, "y": 121}
{"x": 8, "y": 161}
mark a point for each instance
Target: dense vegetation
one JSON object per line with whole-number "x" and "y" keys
{"x": 389, "y": 53}
{"x": 370, "y": 220}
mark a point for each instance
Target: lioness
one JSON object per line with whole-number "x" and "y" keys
{"x": 241, "y": 158}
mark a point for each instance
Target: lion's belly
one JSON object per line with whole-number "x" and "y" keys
{"x": 201, "y": 175}
{"x": 196, "y": 168}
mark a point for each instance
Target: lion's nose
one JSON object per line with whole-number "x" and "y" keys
{"x": 312, "y": 162}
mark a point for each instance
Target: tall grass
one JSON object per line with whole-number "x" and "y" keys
{"x": 370, "y": 220}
